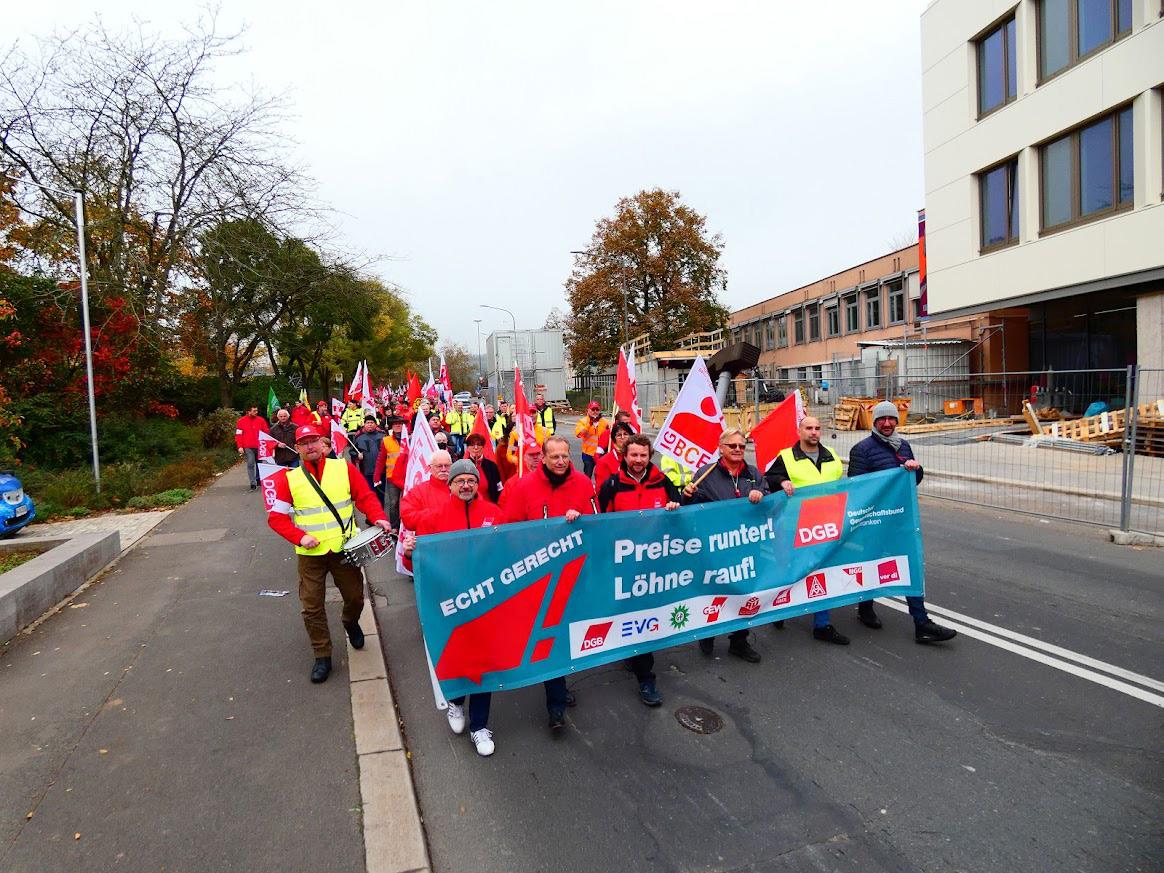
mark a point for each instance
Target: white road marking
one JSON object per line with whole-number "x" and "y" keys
{"x": 1035, "y": 655}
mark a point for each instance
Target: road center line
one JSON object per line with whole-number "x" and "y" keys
{"x": 1051, "y": 649}
{"x": 1032, "y": 654}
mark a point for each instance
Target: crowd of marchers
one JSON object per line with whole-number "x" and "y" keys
{"x": 533, "y": 479}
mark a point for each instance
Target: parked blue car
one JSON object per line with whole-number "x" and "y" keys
{"x": 16, "y": 507}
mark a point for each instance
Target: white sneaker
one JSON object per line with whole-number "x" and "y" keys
{"x": 457, "y": 718}
{"x": 483, "y": 740}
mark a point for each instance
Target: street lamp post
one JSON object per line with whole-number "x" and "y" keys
{"x": 79, "y": 214}
{"x": 480, "y": 360}
{"x": 514, "y": 346}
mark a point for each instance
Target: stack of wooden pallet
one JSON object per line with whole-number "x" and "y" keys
{"x": 847, "y": 413}
{"x": 1108, "y": 428}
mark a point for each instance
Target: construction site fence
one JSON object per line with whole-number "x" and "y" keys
{"x": 1098, "y": 459}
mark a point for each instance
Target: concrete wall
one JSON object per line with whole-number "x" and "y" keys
{"x": 958, "y": 145}
{"x": 30, "y": 590}
{"x": 1150, "y": 331}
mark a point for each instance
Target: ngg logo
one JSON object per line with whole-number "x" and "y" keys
{"x": 596, "y": 636}
{"x": 821, "y": 520}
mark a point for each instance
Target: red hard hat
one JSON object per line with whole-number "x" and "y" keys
{"x": 307, "y": 432}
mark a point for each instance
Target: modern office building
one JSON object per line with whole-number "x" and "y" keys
{"x": 1044, "y": 167}
{"x": 825, "y": 331}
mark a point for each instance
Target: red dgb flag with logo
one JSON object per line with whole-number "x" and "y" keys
{"x": 690, "y": 435}
{"x": 626, "y": 392}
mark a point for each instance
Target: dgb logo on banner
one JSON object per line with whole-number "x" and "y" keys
{"x": 822, "y": 519}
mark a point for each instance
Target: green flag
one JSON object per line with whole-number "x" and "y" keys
{"x": 272, "y": 403}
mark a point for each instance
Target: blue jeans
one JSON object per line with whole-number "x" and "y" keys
{"x": 917, "y": 608}
{"x": 820, "y": 619}
{"x": 555, "y": 695}
{"x": 588, "y": 465}
{"x": 458, "y": 441}
{"x": 252, "y": 458}
{"x": 478, "y": 710}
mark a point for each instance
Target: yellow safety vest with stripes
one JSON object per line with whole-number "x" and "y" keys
{"x": 311, "y": 514}
{"x": 803, "y": 472}
{"x": 460, "y": 423}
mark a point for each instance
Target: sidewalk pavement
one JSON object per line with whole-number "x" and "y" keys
{"x": 164, "y": 719}
{"x": 130, "y": 526}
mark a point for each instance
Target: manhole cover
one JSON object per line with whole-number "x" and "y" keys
{"x": 699, "y": 719}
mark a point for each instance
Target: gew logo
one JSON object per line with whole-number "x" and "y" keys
{"x": 822, "y": 519}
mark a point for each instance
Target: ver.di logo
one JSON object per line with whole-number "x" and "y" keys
{"x": 679, "y": 617}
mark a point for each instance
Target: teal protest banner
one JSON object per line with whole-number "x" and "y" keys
{"x": 502, "y": 607}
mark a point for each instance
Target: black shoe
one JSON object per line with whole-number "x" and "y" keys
{"x": 707, "y": 646}
{"x": 355, "y": 634}
{"x": 571, "y": 700}
{"x": 320, "y": 670}
{"x": 829, "y": 634}
{"x": 557, "y": 721}
{"x": 779, "y": 625}
{"x": 743, "y": 649}
{"x": 253, "y": 486}
{"x": 868, "y": 617}
{"x": 928, "y": 632}
{"x": 649, "y": 694}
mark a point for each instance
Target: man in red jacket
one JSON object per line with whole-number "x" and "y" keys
{"x": 301, "y": 514}
{"x": 554, "y": 490}
{"x": 429, "y": 496}
{"x": 465, "y": 510}
{"x": 639, "y": 485}
{"x": 246, "y": 437}
{"x": 301, "y": 414}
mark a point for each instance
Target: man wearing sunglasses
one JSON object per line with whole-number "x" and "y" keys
{"x": 729, "y": 478}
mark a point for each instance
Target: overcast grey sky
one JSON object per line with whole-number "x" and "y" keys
{"x": 475, "y": 144}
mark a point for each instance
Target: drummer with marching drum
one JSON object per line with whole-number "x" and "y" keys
{"x": 314, "y": 510}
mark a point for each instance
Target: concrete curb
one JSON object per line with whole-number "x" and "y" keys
{"x": 1135, "y": 538}
{"x": 34, "y": 588}
{"x": 393, "y": 832}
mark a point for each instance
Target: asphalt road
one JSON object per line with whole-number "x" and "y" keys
{"x": 883, "y": 755}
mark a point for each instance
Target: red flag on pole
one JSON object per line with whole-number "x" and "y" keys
{"x": 776, "y": 432}
{"x": 414, "y": 390}
{"x": 482, "y": 427}
{"x": 626, "y": 392}
{"x": 267, "y": 444}
{"x": 339, "y": 439}
{"x": 523, "y": 421}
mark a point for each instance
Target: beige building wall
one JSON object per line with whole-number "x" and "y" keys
{"x": 756, "y": 324}
{"x": 958, "y": 145}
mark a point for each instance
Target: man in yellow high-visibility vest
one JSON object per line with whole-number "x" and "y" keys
{"x": 808, "y": 463}
{"x": 301, "y": 514}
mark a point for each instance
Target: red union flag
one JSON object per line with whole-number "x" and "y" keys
{"x": 339, "y": 439}
{"x": 267, "y": 445}
{"x": 337, "y": 407}
{"x": 821, "y": 520}
{"x": 626, "y": 392}
{"x": 777, "y": 432}
{"x": 690, "y": 435}
{"x": 267, "y": 473}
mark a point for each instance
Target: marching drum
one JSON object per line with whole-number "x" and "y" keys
{"x": 367, "y": 546}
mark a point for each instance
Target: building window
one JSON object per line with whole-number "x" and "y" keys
{"x": 998, "y": 200}
{"x": 781, "y": 331}
{"x": 1089, "y": 172}
{"x": 997, "y": 79}
{"x": 872, "y": 308}
{"x": 770, "y": 333}
{"x": 852, "y": 324}
{"x": 813, "y": 323}
{"x": 916, "y": 309}
{"x": 798, "y": 327}
{"x": 1070, "y": 30}
{"x": 896, "y": 302}
{"x": 833, "y": 320}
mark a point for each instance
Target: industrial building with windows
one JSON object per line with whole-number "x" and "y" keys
{"x": 1044, "y": 166}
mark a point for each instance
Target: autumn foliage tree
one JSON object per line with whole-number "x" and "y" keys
{"x": 656, "y": 251}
